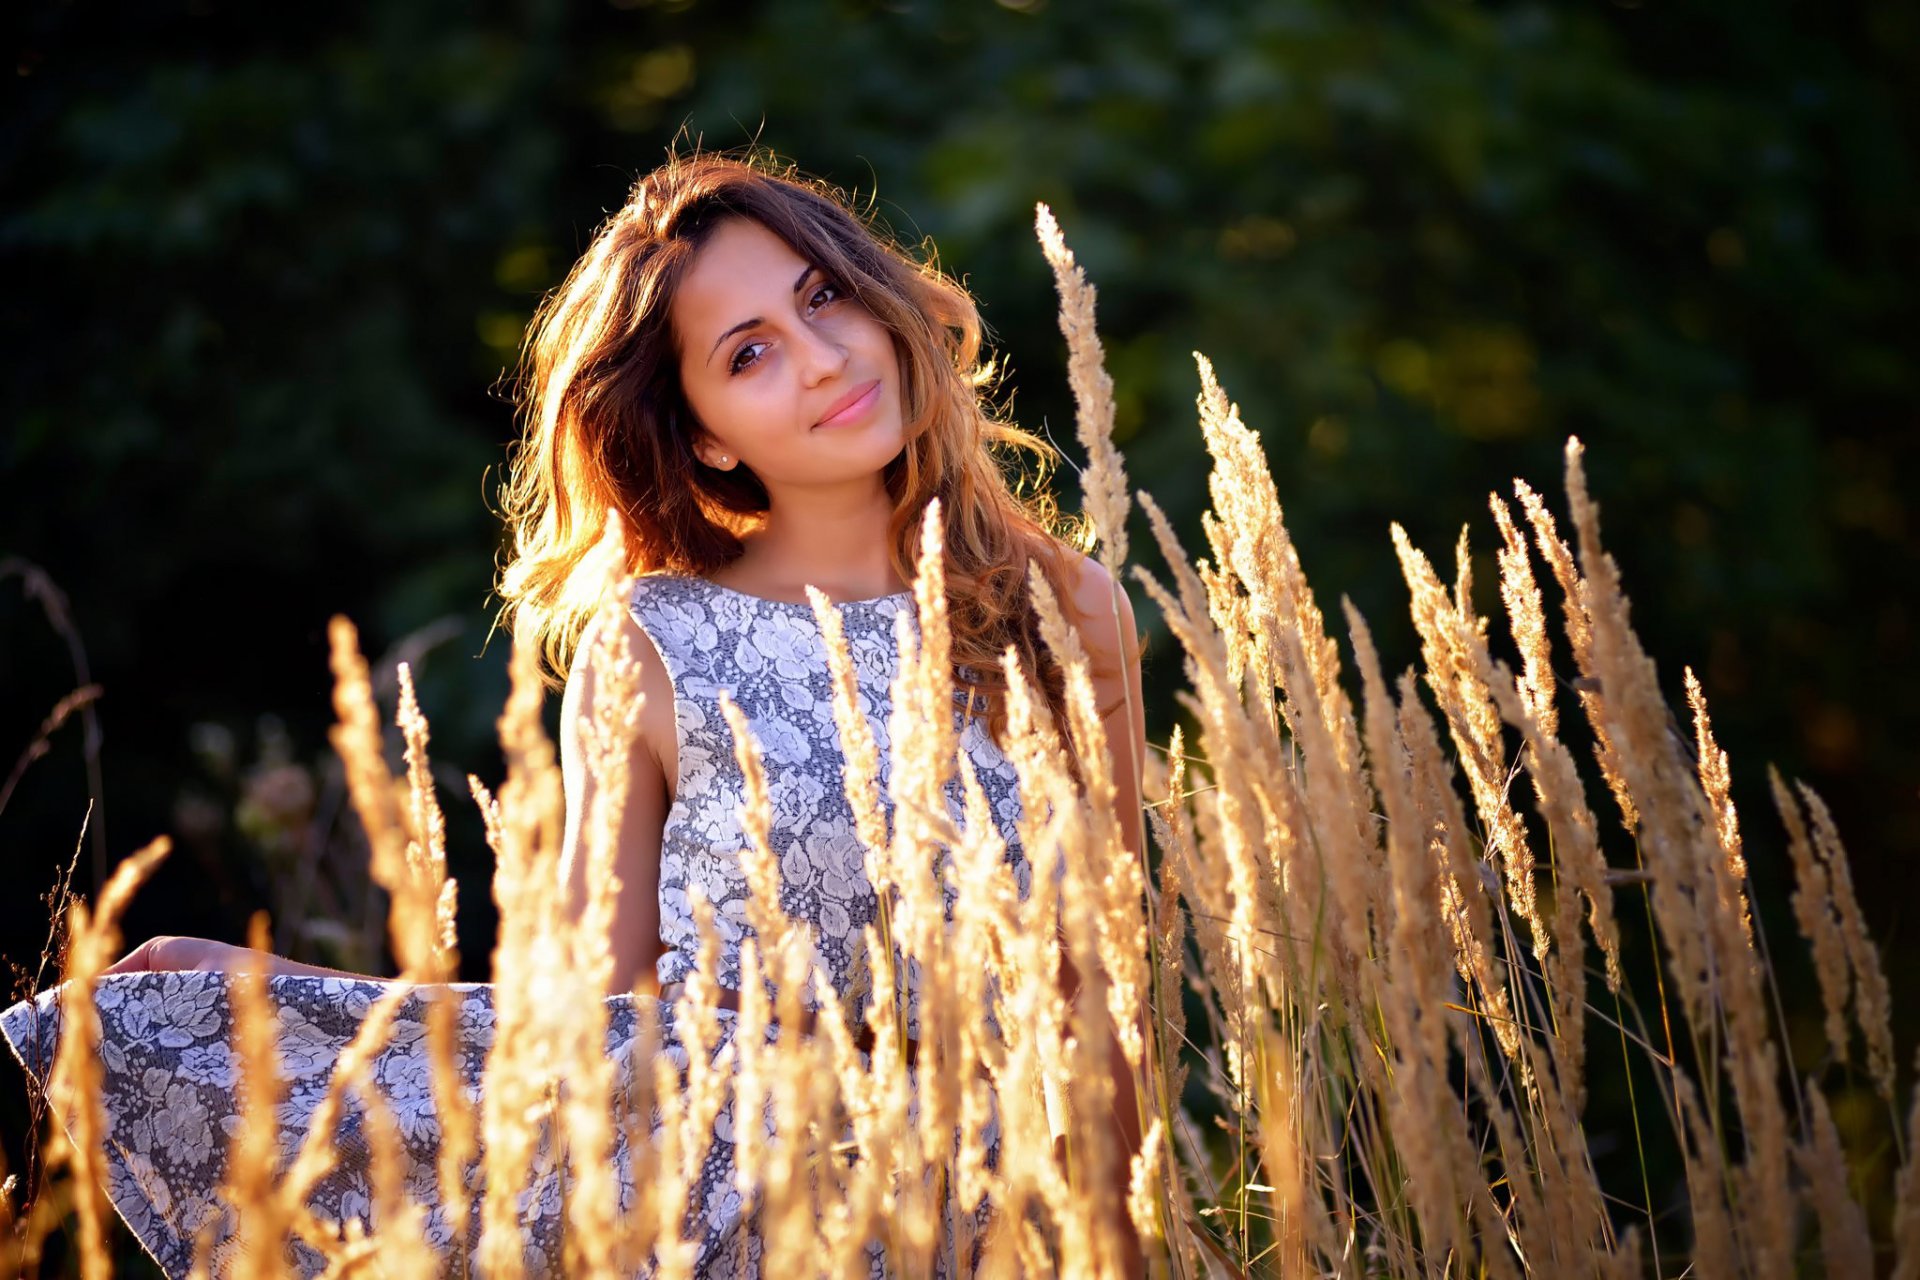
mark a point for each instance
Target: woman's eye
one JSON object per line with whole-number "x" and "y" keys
{"x": 749, "y": 354}
{"x": 744, "y": 357}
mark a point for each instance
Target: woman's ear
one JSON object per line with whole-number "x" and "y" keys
{"x": 710, "y": 453}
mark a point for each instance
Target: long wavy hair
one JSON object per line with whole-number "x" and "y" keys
{"x": 606, "y": 427}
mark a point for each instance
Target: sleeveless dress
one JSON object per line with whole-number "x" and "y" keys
{"x": 170, "y": 1073}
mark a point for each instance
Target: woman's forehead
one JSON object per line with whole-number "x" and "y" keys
{"x": 740, "y": 270}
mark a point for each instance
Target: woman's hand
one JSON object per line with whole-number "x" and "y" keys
{"x": 169, "y": 953}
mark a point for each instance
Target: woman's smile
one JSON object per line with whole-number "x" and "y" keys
{"x": 853, "y": 406}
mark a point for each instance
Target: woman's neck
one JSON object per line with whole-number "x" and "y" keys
{"x": 823, "y": 539}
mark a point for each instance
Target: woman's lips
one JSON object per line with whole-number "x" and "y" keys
{"x": 852, "y": 405}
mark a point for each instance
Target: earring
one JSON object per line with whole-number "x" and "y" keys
{"x": 724, "y": 459}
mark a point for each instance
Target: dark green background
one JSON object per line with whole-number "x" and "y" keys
{"x": 265, "y": 266}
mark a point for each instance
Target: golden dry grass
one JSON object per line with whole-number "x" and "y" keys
{"x": 1394, "y": 959}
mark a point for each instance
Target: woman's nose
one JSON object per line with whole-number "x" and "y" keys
{"x": 821, "y": 356}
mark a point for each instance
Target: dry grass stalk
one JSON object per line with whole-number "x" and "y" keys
{"x": 1813, "y": 910}
{"x": 251, "y": 1187}
{"x": 1253, "y": 540}
{"x": 1718, "y": 971}
{"x": 978, "y": 939}
{"x": 1104, "y": 936}
{"x": 922, "y": 734}
{"x": 427, "y": 857}
{"x": 1033, "y": 1022}
{"x": 1906, "y": 1201}
{"x": 399, "y": 863}
{"x": 1527, "y": 703}
{"x": 1476, "y": 694}
{"x": 1715, "y": 1252}
{"x": 1246, "y": 813}
{"x": 81, "y": 699}
{"x": 397, "y": 1223}
{"x": 1105, "y": 502}
{"x": 12, "y": 1244}
{"x": 1845, "y": 1246}
{"x": 1117, "y": 887}
{"x": 1103, "y": 484}
{"x": 1172, "y": 833}
{"x": 1289, "y": 649}
{"x": 407, "y": 838}
{"x": 1579, "y": 628}
{"x": 1425, "y": 1123}
{"x": 774, "y": 972}
{"x": 1047, "y": 1098}
{"x": 1524, "y": 1218}
{"x": 529, "y": 958}
{"x": 1576, "y": 840}
{"x": 861, "y": 773}
{"x": 1143, "y": 1184}
{"x": 1298, "y": 1221}
{"x": 690, "y": 1112}
{"x": 1716, "y": 780}
{"x": 1464, "y": 907}
{"x": 427, "y": 839}
{"x": 1526, "y": 619}
{"x": 1582, "y": 870}
{"x": 870, "y": 1098}
{"x": 74, "y": 1085}
{"x": 1872, "y": 1003}
{"x": 1459, "y": 671}
{"x": 598, "y": 1238}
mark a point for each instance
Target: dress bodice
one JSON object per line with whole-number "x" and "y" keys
{"x": 771, "y": 660}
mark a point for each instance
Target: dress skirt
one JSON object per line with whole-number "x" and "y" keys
{"x": 171, "y": 1104}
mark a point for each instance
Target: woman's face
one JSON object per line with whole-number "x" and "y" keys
{"x": 784, "y": 371}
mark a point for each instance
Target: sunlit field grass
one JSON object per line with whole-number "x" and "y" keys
{"x": 1377, "y": 957}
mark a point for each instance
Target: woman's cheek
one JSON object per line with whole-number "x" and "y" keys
{"x": 871, "y": 331}
{"x": 767, "y": 404}
{"x": 741, "y": 399}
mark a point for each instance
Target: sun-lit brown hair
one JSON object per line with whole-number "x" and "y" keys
{"x": 607, "y": 427}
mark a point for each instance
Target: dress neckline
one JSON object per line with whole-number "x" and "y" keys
{"x": 801, "y": 604}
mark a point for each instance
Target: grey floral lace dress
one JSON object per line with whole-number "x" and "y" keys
{"x": 170, "y": 1072}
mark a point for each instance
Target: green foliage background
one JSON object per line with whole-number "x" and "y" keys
{"x": 266, "y": 264}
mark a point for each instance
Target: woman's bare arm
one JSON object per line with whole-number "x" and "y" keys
{"x": 168, "y": 953}
{"x": 636, "y": 914}
{"x": 635, "y": 937}
{"x": 1113, "y": 653}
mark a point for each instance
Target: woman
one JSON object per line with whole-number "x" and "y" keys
{"x": 769, "y": 395}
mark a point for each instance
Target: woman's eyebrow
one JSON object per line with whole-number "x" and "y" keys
{"x": 798, "y": 285}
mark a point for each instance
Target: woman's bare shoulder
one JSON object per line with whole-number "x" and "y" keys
{"x": 656, "y": 685}
{"x": 583, "y": 673}
{"x": 1107, "y": 626}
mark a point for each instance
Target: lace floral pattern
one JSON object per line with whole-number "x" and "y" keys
{"x": 171, "y": 1108}
{"x": 170, "y": 1074}
{"x": 769, "y": 657}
